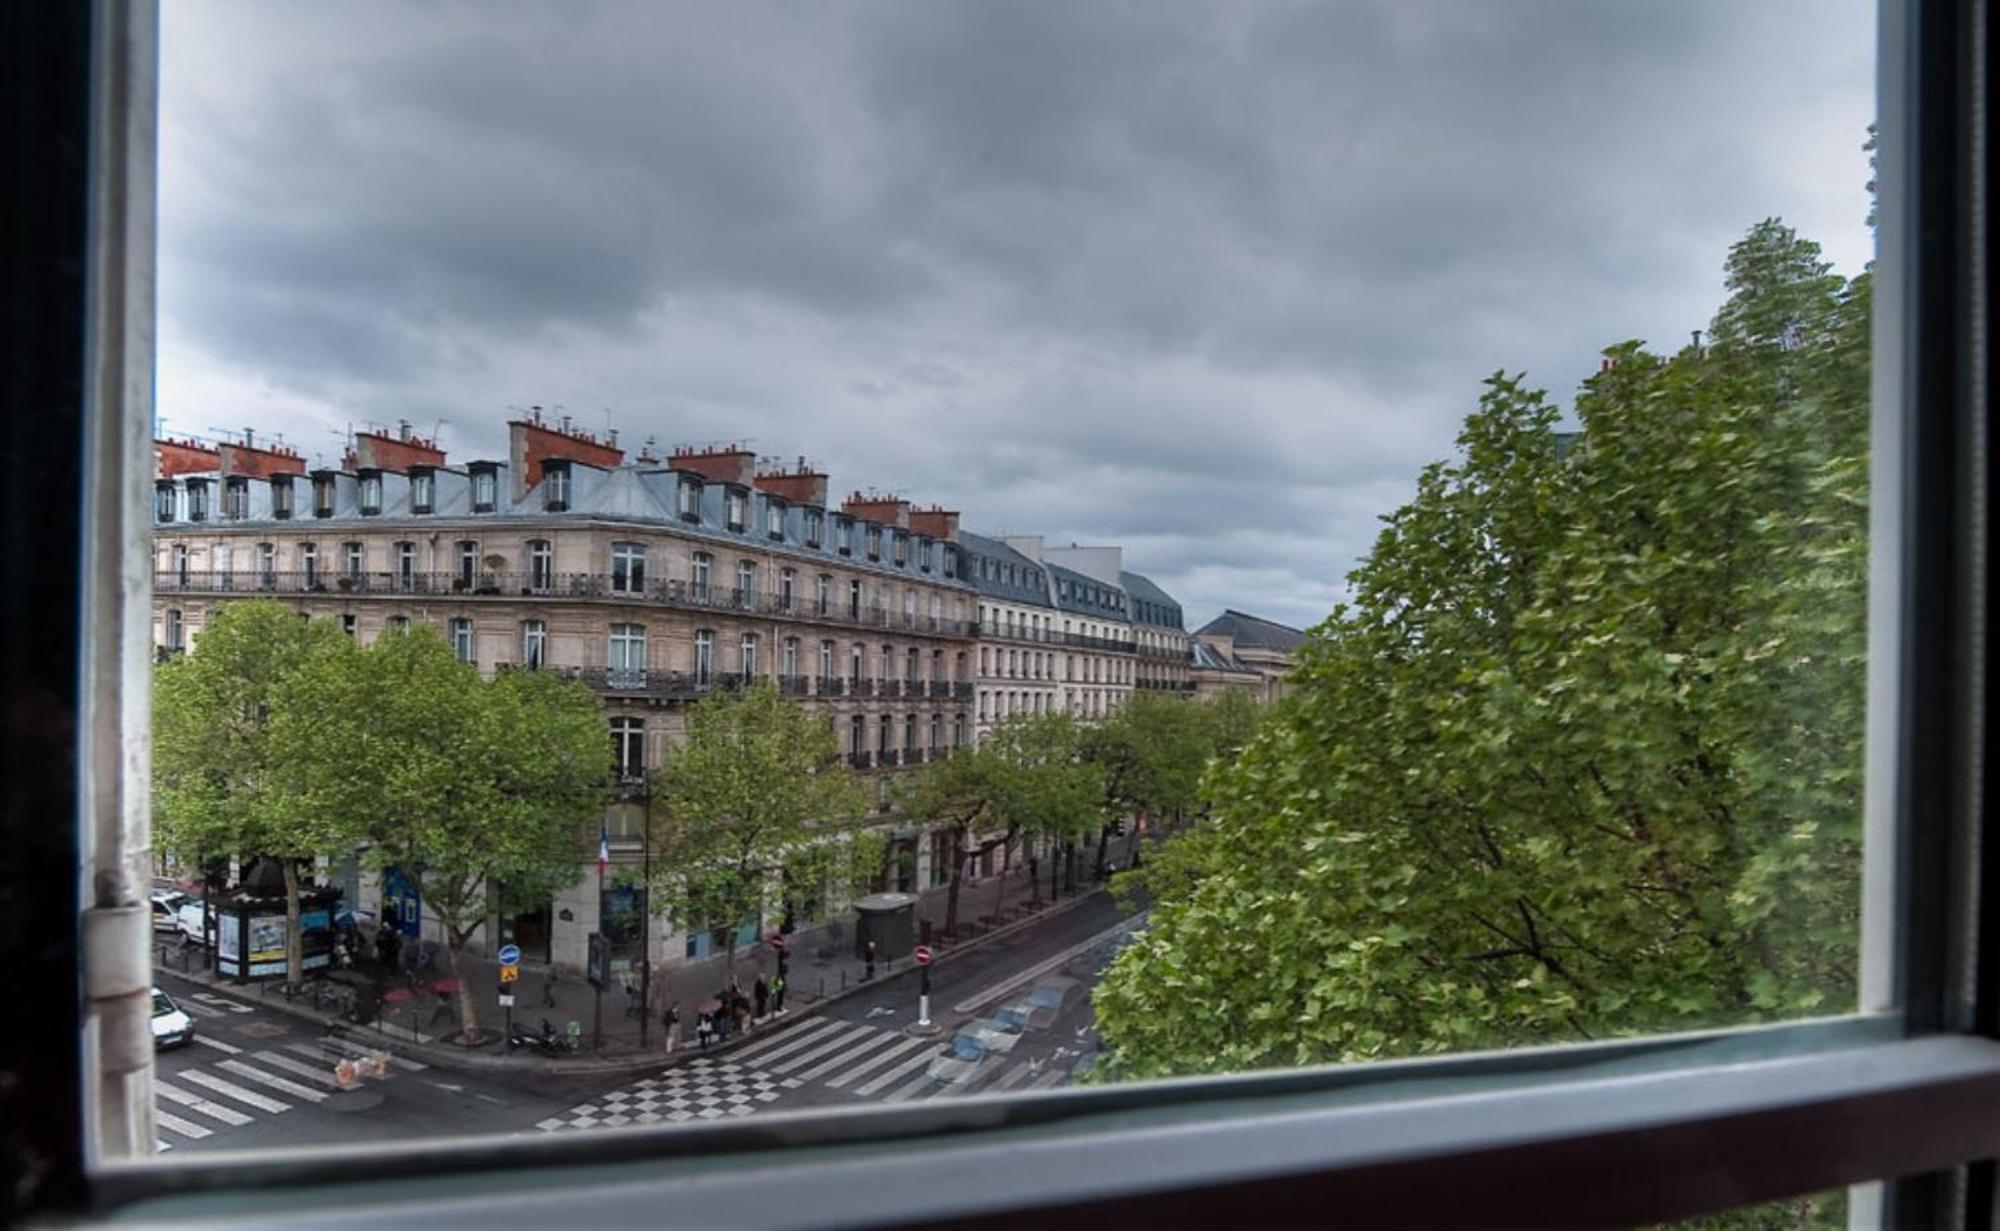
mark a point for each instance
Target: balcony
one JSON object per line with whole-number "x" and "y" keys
{"x": 795, "y": 685}
{"x": 890, "y": 756}
{"x": 860, "y": 760}
{"x": 484, "y": 583}
{"x": 940, "y": 688}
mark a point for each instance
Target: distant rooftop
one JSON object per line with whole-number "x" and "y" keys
{"x": 1253, "y": 632}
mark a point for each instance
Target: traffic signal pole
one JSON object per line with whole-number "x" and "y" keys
{"x": 924, "y": 996}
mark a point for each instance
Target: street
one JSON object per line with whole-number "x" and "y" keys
{"x": 257, "y": 1077}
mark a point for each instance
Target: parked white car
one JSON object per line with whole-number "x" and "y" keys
{"x": 166, "y": 909}
{"x": 172, "y": 1027}
{"x": 959, "y": 1059}
{"x": 189, "y": 918}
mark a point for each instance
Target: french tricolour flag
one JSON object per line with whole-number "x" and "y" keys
{"x": 603, "y": 849}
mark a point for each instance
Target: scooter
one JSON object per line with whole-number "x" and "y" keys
{"x": 545, "y": 1041}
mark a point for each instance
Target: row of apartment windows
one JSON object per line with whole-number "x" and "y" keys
{"x": 994, "y": 706}
{"x": 1100, "y": 596}
{"x": 1037, "y": 665}
{"x": 1004, "y": 573}
{"x": 556, "y": 488}
{"x": 630, "y": 761}
{"x": 629, "y": 572}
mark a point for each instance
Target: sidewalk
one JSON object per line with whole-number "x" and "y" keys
{"x": 820, "y": 969}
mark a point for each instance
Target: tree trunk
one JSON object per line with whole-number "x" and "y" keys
{"x": 295, "y": 960}
{"x": 957, "y": 873}
{"x": 468, "y": 1004}
{"x": 1103, "y": 848}
{"x": 1034, "y": 875}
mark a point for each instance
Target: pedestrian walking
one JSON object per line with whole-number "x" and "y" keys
{"x": 671, "y": 1021}
{"x": 762, "y": 991}
{"x": 740, "y": 1011}
{"x": 702, "y": 1029}
{"x": 778, "y": 995}
{"x": 549, "y": 989}
{"x": 868, "y": 953}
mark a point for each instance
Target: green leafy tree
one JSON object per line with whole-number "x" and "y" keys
{"x": 473, "y": 789}
{"x": 1150, "y": 755}
{"x": 756, "y": 786}
{"x": 219, "y": 786}
{"x": 1582, "y": 756}
{"x": 1051, "y": 790}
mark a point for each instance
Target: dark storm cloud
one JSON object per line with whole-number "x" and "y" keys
{"x": 1212, "y": 281}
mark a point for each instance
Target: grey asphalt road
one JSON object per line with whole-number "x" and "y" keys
{"x": 257, "y": 1078}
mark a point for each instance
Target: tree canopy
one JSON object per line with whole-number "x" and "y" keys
{"x": 220, "y": 786}
{"x": 473, "y": 789}
{"x": 1582, "y": 755}
{"x": 756, "y": 787}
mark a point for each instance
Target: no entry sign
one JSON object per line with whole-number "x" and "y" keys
{"x": 923, "y": 955}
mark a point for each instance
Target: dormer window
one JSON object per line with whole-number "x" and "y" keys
{"x": 485, "y": 490}
{"x": 735, "y": 510}
{"x": 423, "y": 491}
{"x": 902, "y": 549}
{"x": 843, "y": 530}
{"x": 281, "y": 498}
{"x": 236, "y": 499}
{"x": 555, "y": 486}
{"x": 197, "y": 500}
{"x": 874, "y": 542}
{"x": 691, "y": 500}
{"x": 815, "y": 527}
{"x": 323, "y": 495}
{"x": 774, "y": 518}
{"x": 163, "y": 502}
{"x": 371, "y": 494}
{"x": 924, "y": 554}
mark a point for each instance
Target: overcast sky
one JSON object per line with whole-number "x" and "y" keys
{"x": 1210, "y": 281}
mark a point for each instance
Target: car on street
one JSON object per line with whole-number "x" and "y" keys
{"x": 959, "y": 1060}
{"x": 189, "y": 917}
{"x": 1049, "y": 999}
{"x": 172, "y": 1027}
{"x": 1014, "y": 1017}
{"x": 998, "y": 1039}
{"x": 166, "y": 909}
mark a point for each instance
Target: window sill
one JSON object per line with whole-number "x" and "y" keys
{"x": 1611, "y": 1133}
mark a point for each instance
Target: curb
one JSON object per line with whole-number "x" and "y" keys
{"x": 482, "y": 1061}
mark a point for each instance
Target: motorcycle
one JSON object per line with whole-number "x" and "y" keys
{"x": 546, "y": 1040}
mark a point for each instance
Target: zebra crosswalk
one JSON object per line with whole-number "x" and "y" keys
{"x": 233, "y": 1087}
{"x": 844, "y": 1059}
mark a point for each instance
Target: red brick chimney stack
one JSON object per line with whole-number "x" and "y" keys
{"x": 883, "y": 510}
{"x": 729, "y": 464}
{"x": 937, "y": 521}
{"x": 259, "y": 461}
{"x": 172, "y": 457}
{"x": 802, "y": 486}
{"x": 398, "y": 453}
{"x": 530, "y": 442}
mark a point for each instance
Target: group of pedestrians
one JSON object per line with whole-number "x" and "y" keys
{"x": 734, "y": 1012}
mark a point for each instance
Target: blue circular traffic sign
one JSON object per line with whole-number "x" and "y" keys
{"x": 510, "y": 955}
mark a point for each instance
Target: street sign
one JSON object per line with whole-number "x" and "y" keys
{"x": 923, "y": 955}
{"x": 509, "y": 973}
{"x": 506, "y": 1000}
{"x": 510, "y": 955}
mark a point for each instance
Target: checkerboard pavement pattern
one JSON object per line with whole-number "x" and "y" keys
{"x": 702, "y": 1089}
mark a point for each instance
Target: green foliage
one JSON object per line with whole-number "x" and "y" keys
{"x": 1583, "y": 754}
{"x": 757, "y": 786}
{"x": 470, "y": 787}
{"x": 220, "y": 785}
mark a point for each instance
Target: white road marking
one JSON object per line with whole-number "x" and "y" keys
{"x": 248, "y": 1097}
{"x": 1048, "y": 1078}
{"x": 764, "y": 1053}
{"x": 276, "y": 1083}
{"x": 200, "y": 1010}
{"x": 997, "y": 990}
{"x": 324, "y": 1076}
{"x": 351, "y": 1050}
{"x": 879, "y": 1060}
{"x": 189, "y": 1099}
{"x": 1012, "y": 1077}
{"x": 821, "y": 1070}
{"x": 160, "y": 1145}
{"x": 833, "y": 1043}
{"x": 914, "y": 1062}
{"x": 174, "y": 1124}
{"x": 910, "y": 1089}
{"x": 217, "y": 1044}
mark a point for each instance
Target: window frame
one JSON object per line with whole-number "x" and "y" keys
{"x": 1691, "y": 1124}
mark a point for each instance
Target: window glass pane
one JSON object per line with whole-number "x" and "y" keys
{"x": 1416, "y": 521}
